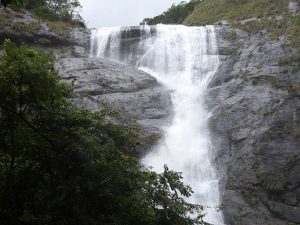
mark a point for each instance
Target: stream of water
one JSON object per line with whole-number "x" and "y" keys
{"x": 184, "y": 59}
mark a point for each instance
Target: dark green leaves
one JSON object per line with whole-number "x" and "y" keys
{"x": 62, "y": 165}
{"x": 176, "y": 14}
{"x": 15, "y": 2}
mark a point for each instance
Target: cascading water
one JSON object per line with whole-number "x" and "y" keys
{"x": 184, "y": 59}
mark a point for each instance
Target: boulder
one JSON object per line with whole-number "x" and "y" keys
{"x": 132, "y": 92}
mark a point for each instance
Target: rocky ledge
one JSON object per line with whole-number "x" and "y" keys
{"x": 21, "y": 27}
{"x": 130, "y": 91}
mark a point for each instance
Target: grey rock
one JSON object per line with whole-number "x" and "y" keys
{"x": 293, "y": 7}
{"x": 286, "y": 212}
{"x": 44, "y": 29}
{"x": 81, "y": 39}
{"x": 243, "y": 22}
{"x": 100, "y": 76}
{"x": 79, "y": 51}
{"x": 223, "y": 23}
{"x": 30, "y": 36}
{"x": 278, "y": 17}
{"x": 132, "y": 92}
{"x": 255, "y": 127}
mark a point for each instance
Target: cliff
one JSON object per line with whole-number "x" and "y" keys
{"x": 255, "y": 104}
{"x": 97, "y": 82}
{"x": 254, "y": 99}
{"x": 133, "y": 93}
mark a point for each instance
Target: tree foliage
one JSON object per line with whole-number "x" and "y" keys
{"x": 176, "y": 14}
{"x": 62, "y": 165}
{"x": 15, "y": 2}
{"x": 59, "y": 9}
{"x": 66, "y": 10}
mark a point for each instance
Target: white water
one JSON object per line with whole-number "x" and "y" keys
{"x": 184, "y": 59}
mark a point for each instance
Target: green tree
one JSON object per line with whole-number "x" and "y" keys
{"x": 176, "y": 14}
{"x": 64, "y": 9}
{"x": 14, "y": 2}
{"x": 33, "y": 4}
{"x": 61, "y": 165}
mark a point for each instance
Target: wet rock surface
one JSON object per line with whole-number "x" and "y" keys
{"x": 255, "y": 104}
{"x": 255, "y": 126}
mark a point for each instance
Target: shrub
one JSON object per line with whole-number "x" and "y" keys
{"x": 63, "y": 165}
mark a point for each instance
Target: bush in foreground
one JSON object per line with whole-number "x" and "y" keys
{"x": 63, "y": 165}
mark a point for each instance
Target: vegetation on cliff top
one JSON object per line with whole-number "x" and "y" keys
{"x": 250, "y": 15}
{"x": 203, "y": 12}
{"x": 176, "y": 14}
{"x": 62, "y": 165}
{"x": 278, "y": 17}
{"x": 64, "y": 10}
{"x": 212, "y": 11}
{"x": 57, "y": 16}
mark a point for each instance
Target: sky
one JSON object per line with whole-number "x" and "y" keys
{"x": 108, "y": 13}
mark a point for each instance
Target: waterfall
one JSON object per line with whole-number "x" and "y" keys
{"x": 184, "y": 59}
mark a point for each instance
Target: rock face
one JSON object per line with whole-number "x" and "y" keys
{"x": 255, "y": 124}
{"x": 21, "y": 26}
{"x": 81, "y": 39}
{"x": 126, "y": 89}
